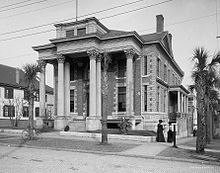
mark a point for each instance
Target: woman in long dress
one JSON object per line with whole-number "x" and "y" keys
{"x": 160, "y": 135}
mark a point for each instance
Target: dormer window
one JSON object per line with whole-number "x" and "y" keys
{"x": 70, "y": 33}
{"x": 81, "y": 31}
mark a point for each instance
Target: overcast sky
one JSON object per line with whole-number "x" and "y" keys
{"x": 192, "y": 23}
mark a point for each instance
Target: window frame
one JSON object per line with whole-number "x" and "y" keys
{"x": 122, "y": 105}
{"x": 9, "y": 110}
{"x": 9, "y": 93}
{"x": 72, "y": 102}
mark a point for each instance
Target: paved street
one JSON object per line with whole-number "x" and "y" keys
{"x": 29, "y": 160}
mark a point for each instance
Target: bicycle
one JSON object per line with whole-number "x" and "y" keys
{"x": 26, "y": 133}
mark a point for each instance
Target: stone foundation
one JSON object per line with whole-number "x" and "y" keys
{"x": 93, "y": 123}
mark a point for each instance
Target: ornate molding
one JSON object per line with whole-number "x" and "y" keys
{"x": 93, "y": 54}
{"x": 129, "y": 53}
{"x": 60, "y": 58}
{"x": 42, "y": 63}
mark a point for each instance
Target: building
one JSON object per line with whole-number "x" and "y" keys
{"x": 13, "y": 98}
{"x": 144, "y": 78}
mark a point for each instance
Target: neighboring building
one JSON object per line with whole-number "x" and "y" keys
{"x": 13, "y": 97}
{"x": 192, "y": 108}
{"x": 144, "y": 78}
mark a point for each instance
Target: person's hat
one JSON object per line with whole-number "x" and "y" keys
{"x": 160, "y": 121}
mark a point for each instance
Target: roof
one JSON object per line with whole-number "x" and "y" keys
{"x": 153, "y": 36}
{"x": 8, "y": 78}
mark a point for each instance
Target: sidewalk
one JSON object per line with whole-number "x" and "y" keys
{"x": 53, "y": 140}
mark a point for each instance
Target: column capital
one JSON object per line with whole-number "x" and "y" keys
{"x": 42, "y": 63}
{"x": 60, "y": 58}
{"x": 99, "y": 58}
{"x": 129, "y": 53}
{"x": 93, "y": 54}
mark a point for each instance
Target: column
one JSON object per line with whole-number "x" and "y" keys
{"x": 98, "y": 86}
{"x": 42, "y": 92}
{"x": 60, "y": 121}
{"x": 67, "y": 88}
{"x": 178, "y": 101}
{"x": 42, "y": 88}
{"x": 92, "y": 82}
{"x": 93, "y": 121}
{"x": 187, "y": 104}
{"x": 55, "y": 86}
{"x": 129, "y": 82}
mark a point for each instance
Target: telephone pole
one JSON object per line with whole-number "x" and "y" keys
{"x": 76, "y": 10}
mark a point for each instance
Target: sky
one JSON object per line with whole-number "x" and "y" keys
{"x": 193, "y": 23}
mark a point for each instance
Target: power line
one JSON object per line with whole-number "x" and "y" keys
{"x": 31, "y": 11}
{"x": 20, "y": 56}
{"x": 65, "y": 20}
{"x": 137, "y": 9}
{"x": 23, "y": 5}
{"x": 183, "y": 21}
{"x": 27, "y": 35}
{"x": 14, "y": 4}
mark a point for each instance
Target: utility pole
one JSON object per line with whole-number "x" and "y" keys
{"x": 76, "y": 10}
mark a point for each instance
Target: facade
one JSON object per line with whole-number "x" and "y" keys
{"x": 144, "y": 80}
{"x": 13, "y": 100}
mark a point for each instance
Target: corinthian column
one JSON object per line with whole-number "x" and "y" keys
{"x": 93, "y": 121}
{"x": 92, "y": 82}
{"x": 98, "y": 87}
{"x": 129, "y": 82}
{"x": 60, "y": 120}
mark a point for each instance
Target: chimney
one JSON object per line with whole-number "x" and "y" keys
{"x": 17, "y": 76}
{"x": 160, "y": 23}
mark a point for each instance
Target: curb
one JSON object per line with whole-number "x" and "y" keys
{"x": 111, "y": 136}
{"x": 116, "y": 154}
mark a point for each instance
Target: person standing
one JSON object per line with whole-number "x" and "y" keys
{"x": 160, "y": 135}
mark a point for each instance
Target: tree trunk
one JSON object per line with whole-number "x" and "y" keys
{"x": 31, "y": 119}
{"x": 208, "y": 115}
{"x": 201, "y": 125}
{"x": 104, "y": 106}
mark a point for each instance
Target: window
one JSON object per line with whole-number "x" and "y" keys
{"x": 145, "y": 98}
{"x": 25, "y": 111}
{"x": 72, "y": 75}
{"x": 9, "y": 93}
{"x": 25, "y": 95}
{"x": 8, "y": 111}
{"x": 121, "y": 68}
{"x": 165, "y": 72}
{"x": 81, "y": 31}
{"x": 173, "y": 79}
{"x": 164, "y": 102}
{"x": 145, "y": 65}
{"x": 121, "y": 99}
{"x": 36, "y": 98}
{"x": 168, "y": 81}
{"x": 71, "y": 100}
{"x": 37, "y": 112}
{"x": 45, "y": 98}
{"x": 70, "y": 33}
{"x": 158, "y": 98}
{"x": 158, "y": 67}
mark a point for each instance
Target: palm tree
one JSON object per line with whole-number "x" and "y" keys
{"x": 205, "y": 79}
{"x": 30, "y": 75}
{"x": 105, "y": 82}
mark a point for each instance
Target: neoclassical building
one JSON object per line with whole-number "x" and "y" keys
{"x": 144, "y": 80}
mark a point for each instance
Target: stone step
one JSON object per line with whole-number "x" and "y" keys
{"x": 77, "y": 125}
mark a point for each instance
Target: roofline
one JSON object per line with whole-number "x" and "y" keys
{"x": 45, "y": 46}
{"x": 181, "y": 87}
{"x": 83, "y": 21}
